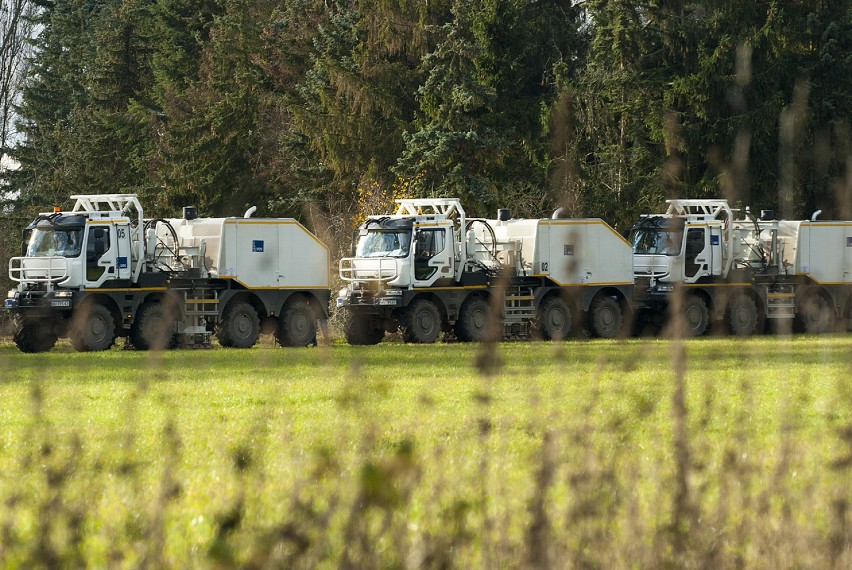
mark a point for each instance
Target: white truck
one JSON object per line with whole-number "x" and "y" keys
{"x": 741, "y": 270}
{"x": 102, "y": 271}
{"x": 428, "y": 268}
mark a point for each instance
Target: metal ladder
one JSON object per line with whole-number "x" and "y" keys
{"x": 781, "y": 301}
{"x": 518, "y": 312}
{"x": 199, "y": 305}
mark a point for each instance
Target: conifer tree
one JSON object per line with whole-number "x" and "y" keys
{"x": 479, "y": 132}
{"x": 208, "y": 123}
{"x": 51, "y": 102}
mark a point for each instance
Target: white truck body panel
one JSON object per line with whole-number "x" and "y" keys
{"x": 587, "y": 252}
{"x": 819, "y": 250}
{"x": 260, "y": 253}
{"x": 570, "y": 252}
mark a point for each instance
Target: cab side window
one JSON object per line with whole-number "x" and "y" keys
{"x": 429, "y": 244}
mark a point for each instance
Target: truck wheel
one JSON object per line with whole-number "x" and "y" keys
{"x": 474, "y": 321}
{"x": 743, "y": 318}
{"x": 92, "y": 328}
{"x": 240, "y": 327}
{"x": 32, "y": 335}
{"x": 816, "y": 315}
{"x": 297, "y": 325}
{"x": 357, "y": 330}
{"x": 605, "y": 317}
{"x": 153, "y": 327}
{"x": 421, "y": 322}
{"x": 696, "y": 315}
{"x": 554, "y": 319}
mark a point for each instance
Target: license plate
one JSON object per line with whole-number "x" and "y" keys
{"x": 61, "y": 303}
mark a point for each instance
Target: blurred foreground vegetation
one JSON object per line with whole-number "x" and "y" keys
{"x": 584, "y": 454}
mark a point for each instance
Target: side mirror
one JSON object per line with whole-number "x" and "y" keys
{"x": 25, "y": 241}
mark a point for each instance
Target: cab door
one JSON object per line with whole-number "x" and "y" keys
{"x": 697, "y": 255}
{"x": 433, "y": 255}
{"x": 100, "y": 255}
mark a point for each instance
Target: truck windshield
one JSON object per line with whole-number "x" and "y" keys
{"x": 656, "y": 241}
{"x": 384, "y": 244}
{"x": 48, "y": 242}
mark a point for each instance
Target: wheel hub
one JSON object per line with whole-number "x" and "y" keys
{"x": 556, "y": 319}
{"x": 242, "y": 325}
{"x": 299, "y": 323}
{"x": 479, "y": 320}
{"x": 693, "y": 317}
{"x": 425, "y": 322}
{"x": 97, "y": 328}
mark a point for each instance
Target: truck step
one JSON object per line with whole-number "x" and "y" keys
{"x": 518, "y": 313}
{"x": 781, "y": 302}
{"x": 202, "y": 307}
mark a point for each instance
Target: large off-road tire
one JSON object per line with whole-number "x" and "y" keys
{"x": 421, "y": 322}
{"x": 554, "y": 319}
{"x": 153, "y": 327}
{"x": 92, "y": 328}
{"x": 357, "y": 329}
{"x": 696, "y": 316}
{"x": 475, "y": 320}
{"x": 605, "y": 317}
{"x": 816, "y": 315}
{"x": 33, "y": 335}
{"x": 297, "y": 325}
{"x": 743, "y": 316}
{"x": 240, "y": 326}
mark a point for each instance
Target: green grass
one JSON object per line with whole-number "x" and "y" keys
{"x": 512, "y": 455}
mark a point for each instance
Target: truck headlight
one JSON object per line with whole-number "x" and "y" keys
{"x": 665, "y": 288}
{"x": 63, "y": 294}
{"x": 393, "y": 293}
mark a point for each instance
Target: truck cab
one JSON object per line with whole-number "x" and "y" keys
{"x": 688, "y": 244}
{"x": 419, "y": 246}
{"x": 402, "y": 252}
{"x": 75, "y": 250}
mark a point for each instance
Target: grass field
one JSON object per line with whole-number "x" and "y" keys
{"x": 584, "y": 454}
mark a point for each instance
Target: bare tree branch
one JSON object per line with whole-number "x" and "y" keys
{"x": 16, "y": 29}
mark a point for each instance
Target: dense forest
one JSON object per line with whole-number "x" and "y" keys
{"x": 324, "y": 109}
